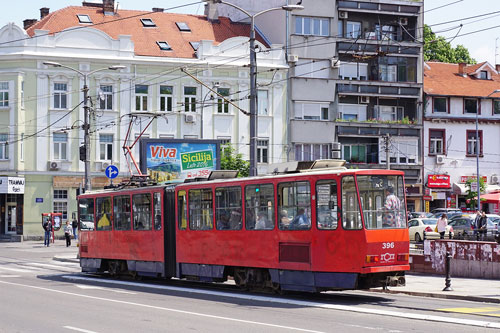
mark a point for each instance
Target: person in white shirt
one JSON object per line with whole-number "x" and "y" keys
{"x": 442, "y": 222}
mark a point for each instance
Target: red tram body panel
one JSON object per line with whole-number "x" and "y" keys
{"x": 311, "y": 231}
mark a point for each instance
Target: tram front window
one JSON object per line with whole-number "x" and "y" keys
{"x": 382, "y": 201}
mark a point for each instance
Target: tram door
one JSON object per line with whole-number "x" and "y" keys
{"x": 10, "y": 218}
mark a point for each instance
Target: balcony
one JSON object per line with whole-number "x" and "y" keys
{"x": 402, "y": 7}
{"x": 378, "y": 88}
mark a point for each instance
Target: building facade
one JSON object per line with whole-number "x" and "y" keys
{"x": 457, "y": 97}
{"x": 163, "y": 57}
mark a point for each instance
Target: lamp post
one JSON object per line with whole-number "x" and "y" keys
{"x": 253, "y": 76}
{"x": 478, "y": 147}
{"x": 86, "y": 120}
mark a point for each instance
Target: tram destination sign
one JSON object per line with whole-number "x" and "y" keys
{"x": 173, "y": 160}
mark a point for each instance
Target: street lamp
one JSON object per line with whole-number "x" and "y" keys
{"x": 253, "y": 76}
{"x": 477, "y": 152}
{"x": 86, "y": 124}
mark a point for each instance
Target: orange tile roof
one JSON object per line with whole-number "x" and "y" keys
{"x": 443, "y": 79}
{"x": 127, "y": 22}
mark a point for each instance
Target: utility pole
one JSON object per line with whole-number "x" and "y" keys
{"x": 86, "y": 134}
{"x": 387, "y": 140}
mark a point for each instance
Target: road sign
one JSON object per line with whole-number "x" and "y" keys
{"x": 111, "y": 172}
{"x": 427, "y": 197}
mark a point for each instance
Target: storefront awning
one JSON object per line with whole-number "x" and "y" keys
{"x": 491, "y": 198}
{"x": 461, "y": 189}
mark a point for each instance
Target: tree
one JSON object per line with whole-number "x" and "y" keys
{"x": 231, "y": 160}
{"x": 471, "y": 198}
{"x": 438, "y": 49}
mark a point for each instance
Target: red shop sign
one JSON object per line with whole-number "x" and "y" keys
{"x": 438, "y": 181}
{"x": 464, "y": 179}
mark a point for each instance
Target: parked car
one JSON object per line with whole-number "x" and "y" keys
{"x": 464, "y": 228}
{"x": 414, "y": 215}
{"x": 446, "y": 210}
{"x": 423, "y": 228}
{"x": 448, "y": 215}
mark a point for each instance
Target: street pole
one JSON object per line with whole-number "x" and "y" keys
{"x": 86, "y": 134}
{"x": 477, "y": 159}
{"x": 253, "y": 101}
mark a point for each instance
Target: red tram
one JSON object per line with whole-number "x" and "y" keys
{"x": 313, "y": 230}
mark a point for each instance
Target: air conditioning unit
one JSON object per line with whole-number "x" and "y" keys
{"x": 104, "y": 165}
{"x": 336, "y": 155}
{"x": 190, "y": 118}
{"x": 343, "y": 15}
{"x": 292, "y": 58}
{"x": 54, "y": 165}
{"x": 403, "y": 21}
{"x": 494, "y": 179}
{"x": 334, "y": 63}
{"x": 336, "y": 146}
{"x": 440, "y": 159}
{"x": 364, "y": 99}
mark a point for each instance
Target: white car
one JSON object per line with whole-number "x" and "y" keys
{"x": 417, "y": 227}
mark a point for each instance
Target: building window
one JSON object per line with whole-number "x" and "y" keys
{"x": 141, "y": 97}
{"x": 183, "y": 26}
{"x": 4, "y": 147}
{"x": 312, "y": 152}
{"x": 353, "y": 29}
{"x": 222, "y": 105}
{"x": 225, "y": 145}
{"x": 263, "y": 102}
{"x": 483, "y": 75}
{"x": 262, "y": 151}
{"x": 164, "y": 46}
{"x": 190, "y": 99}
{"x": 106, "y": 147}
{"x": 166, "y": 98}
{"x": 84, "y": 18}
{"x": 22, "y": 94}
{"x": 354, "y": 153}
{"x": 61, "y": 203}
{"x": 60, "y": 95}
{"x": 147, "y": 22}
{"x": 404, "y": 151}
{"x": 388, "y": 32}
{"x": 311, "y": 111}
{"x": 389, "y": 113}
{"x": 60, "y": 146}
{"x": 312, "y": 26}
{"x": 496, "y": 106}
{"x": 106, "y": 97}
{"x": 388, "y": 73}
{"x": 470, "y": 105}
{"x": 472, "y": 143}
{"x": 195, "y": 45}
{"x": 436, "y": 142}
{"x": 340, "y": 27}
{"x": 439, "y": 104}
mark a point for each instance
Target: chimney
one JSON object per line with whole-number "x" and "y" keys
{"x": 497, "y": 67}
{"x": 44, "y": 12}
{"x": 211, "y": 11}
{"x": 28, "y": 23}
{"x": 108, "y": 6}
{"x": 461, "y": 68}
{"x": 158, "y": 10}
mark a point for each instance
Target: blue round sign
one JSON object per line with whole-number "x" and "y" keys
{"x": 111, "y": 172}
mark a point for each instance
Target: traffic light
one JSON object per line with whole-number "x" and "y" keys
{"x": 83, "y": 153}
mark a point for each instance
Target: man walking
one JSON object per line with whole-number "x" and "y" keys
{"x": 47, "y": 226}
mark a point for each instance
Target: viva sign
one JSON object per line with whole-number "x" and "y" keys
{"x": 197, "y": 160}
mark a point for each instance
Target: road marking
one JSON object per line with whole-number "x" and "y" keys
{"x": 84, "y": 286}
{"x": 482, "y": 311}
{"x": 162, "y": 308}
{"x": 78, "y": 329}
{"x": 9, "y": 276}
{"x": 16, "y": 269}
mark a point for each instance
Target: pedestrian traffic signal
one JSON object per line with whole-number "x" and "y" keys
{"x": 83, "y": 153}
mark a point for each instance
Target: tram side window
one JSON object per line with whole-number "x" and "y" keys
{"x": 259, "y": 207}
{"x": 121, "y": 212}
{"x": 228, "y": 208}
{"x": 295, "y": 205}
{"x": 86, "y": 213}
{"x": 103, "y": 209}
{"x": 141, "y": 207}
{"x": 326, "y": 202}
{"x": 200, "y": 209}
{"x": 351, "y": 217}
{"x": 157, "y": 210}
{"x": 182, "y": 208}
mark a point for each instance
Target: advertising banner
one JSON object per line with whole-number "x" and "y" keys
{"x": 171, "y": 160}
{"x": 438, "y": 181}
{"x": 12, "y": 185}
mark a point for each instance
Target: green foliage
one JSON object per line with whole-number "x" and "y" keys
{"x": 230, "y": 160}
{"x": 472, "y": 195}
{"x": 438, "y": 49}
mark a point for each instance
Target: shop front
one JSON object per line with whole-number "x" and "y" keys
{"x": 460, "y": 191}
{"x": 439, "y": 191}
{"x": 11, "y": 206}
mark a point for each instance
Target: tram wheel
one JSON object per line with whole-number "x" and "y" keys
{"x": 241, "y": 278}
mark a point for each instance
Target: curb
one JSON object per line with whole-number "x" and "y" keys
{"x": 66, "y": 259}
{"x": 443, "y": 296}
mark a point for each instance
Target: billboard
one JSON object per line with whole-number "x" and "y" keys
{"x": 174, "y": 160}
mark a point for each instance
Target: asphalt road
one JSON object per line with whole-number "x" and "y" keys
{"x": 42, "y": 295}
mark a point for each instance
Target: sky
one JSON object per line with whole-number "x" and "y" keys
{"x": 481, "y": 45}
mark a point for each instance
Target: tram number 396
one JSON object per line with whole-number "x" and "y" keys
{"x": 388, "y": 245}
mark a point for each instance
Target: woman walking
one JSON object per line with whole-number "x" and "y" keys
{"x": 442, "y": 222}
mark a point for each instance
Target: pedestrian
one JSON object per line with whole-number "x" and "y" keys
{"x": 74, "y": 224}
{"x": 47, "y": 226}
{"x": 482, "y": 225}
{"x": 67, "y": 233}
{"x": 442, "y": 222}
{"x": 392, "y": 208}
